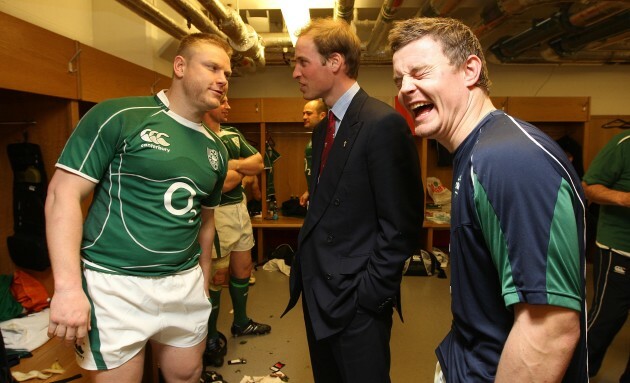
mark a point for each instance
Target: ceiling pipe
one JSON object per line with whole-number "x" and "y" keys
{"x": 195, "y": 16}
{"x": 377, "y": 42}
{"x": 501, "y": 10}
{"x": 599, "y": 11}
{"x": 343, "y": 10}
{"x": 275, "y": 40}
{"x": 242, "y": 37}
{"x": 612, "y": 26}
{"x": 561, "y": 23}
{"x": 509, "y": 48}
{"x": 609, "y": 43}
{"x": 153, "y": 15}
{"x": 586, "y": 58}
{"x": 437, "y": 8}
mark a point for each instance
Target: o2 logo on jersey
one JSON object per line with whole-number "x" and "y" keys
{"x": 168, "y": 200}
{"x": 155, "y": 137}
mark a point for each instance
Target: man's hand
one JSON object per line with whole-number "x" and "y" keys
{"x": 304, "y": 199}
{"x": 69, "y": 316}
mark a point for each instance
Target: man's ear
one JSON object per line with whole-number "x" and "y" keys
{"x": 472, "y": 70}
{"x": 336, "y": 61}
{"x": 179, "y": 65}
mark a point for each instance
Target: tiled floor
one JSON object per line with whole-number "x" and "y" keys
{"x": 426, "y": 307}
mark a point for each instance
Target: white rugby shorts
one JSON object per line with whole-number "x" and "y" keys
{"x": 234, "y": 228}
{"x": 130, "y": 310}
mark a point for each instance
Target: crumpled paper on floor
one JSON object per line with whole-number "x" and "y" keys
{"x": 55, "y": 368}
{"x": 27, "y": 333}
{"x": 277, "y": 265}
{"x": 261, "y": 379}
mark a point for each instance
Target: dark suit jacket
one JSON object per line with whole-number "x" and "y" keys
{"x": 364, "y": 219}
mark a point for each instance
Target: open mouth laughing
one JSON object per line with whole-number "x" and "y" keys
{"x": 420, "y": 108}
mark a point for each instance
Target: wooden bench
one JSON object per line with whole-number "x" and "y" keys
{"x": 260, "y": 225}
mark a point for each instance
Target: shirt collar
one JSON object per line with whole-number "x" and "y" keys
{"x": 341, "y": 106}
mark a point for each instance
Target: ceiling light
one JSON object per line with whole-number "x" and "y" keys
{"x": 296, "y": 15}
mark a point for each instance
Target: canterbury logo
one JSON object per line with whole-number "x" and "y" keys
{"x": 155, "y": 137}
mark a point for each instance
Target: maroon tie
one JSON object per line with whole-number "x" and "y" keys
{"x": 330, "y": 136}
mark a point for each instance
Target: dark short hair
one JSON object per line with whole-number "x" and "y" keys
{"x": 457, "y": 40}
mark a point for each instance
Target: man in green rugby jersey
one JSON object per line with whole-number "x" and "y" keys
{"x": 137, "y": 270}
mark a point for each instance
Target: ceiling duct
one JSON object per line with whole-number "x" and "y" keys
{"x": 246, "y": 43}
{"x": 242, "y": 37}
{"x": 195, "y": 16}
{"x": 276, "y": 39}
{"x": 501, "y": 10}
{"x": 508, "y": 49}
{"x": 438, "y": 8}
{"x": 343, "y": 10}
{"x": 615, "y": 25}
{"x": 583, "y": 57}
{"x": 377, "y": 42}
{"x": 155, "y": 16}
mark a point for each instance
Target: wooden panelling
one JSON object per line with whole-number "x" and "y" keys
{"x": 53, "y": 120}
{"x": 534, "y": 109}
{"x": 103, "y": 76}
{"x": 245, "y": 110}
{"x": 289, "y": 178}
{"x": 596, "y": 136}
{"x": 283, "y": 109}
{"x": 500, "y": 102}
{"x": 35, "y": 60}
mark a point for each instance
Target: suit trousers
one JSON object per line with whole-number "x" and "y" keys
{"x": 359, "y": 353}
{"x": 609, "y": 309}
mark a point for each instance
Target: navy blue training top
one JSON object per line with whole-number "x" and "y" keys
{"x": 517, "y": 235}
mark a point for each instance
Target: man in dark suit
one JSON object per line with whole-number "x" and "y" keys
{"x": 365, "y": 214}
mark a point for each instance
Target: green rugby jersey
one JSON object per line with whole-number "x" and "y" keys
{"x": 237, "y": 147}
{"x": 308, "y": 161}
{"x": 611, "y": 168}
{"x": 154, "y": 172}
{"x": 271, "y": 156}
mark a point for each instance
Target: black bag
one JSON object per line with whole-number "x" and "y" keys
{"x": 285, "y": 252}
{"x": 424, "y": 264}
{"x": 292, "y": 208}
{"x": 27, "y": 247}
{"x": 5, "y": 365}
{"x": 29, "y": 251}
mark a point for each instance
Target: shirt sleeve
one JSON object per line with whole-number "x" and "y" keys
{"x": 531, "y": 231}
{"x": 93, "y": 144}
{"x": 246, "y": 149}
{"x": 605, "y": 169}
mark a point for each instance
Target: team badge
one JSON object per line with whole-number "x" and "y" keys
{"x": 236, "y": 142}
{"x": 213, "y": 158}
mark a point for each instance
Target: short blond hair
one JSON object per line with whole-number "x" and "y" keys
{"x": 335, "y": 36}
{"x": 201, "y": 38}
